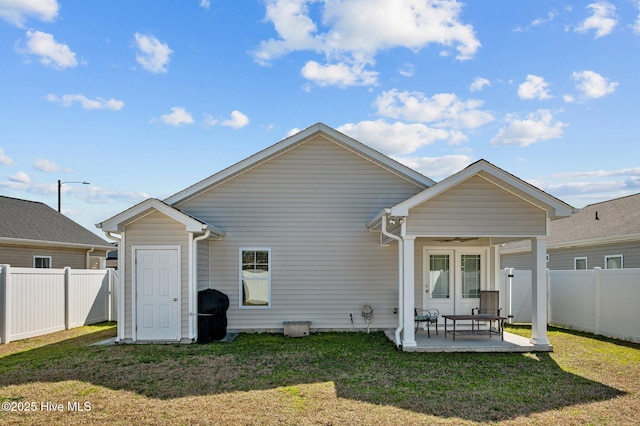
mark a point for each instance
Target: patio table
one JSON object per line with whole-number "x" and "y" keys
{"x": 476, "y": 319}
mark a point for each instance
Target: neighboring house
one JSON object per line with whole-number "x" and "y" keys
{"x": 33, "y": 235}
{"x": 317, "y": 226}
{"x": 604, "y": 235}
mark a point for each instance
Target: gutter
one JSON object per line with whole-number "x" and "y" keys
{"x": 121, "y": 278}
{"x": 383, "y": 229}
{"x": 87, "y": 262}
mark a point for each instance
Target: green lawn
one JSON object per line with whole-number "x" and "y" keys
{"x": 327, "y": 378}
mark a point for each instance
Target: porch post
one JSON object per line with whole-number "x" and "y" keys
{"x": 539, "y": 292}
{"x": 408, "y": 333}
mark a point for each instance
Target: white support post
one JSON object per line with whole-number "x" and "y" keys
{"x": 408, "y": 332}
{"x": 539, "y": 292}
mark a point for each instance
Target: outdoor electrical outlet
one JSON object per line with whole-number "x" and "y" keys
{"x": 351, "y": 316}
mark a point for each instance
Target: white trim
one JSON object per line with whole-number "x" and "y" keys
{"x": 289, "y": 143}
{"x": 37, "y": 256}
{"x": 134, "y": 284}
{"x": 28, "y": 242}
{"x": 552, "y": 205}
{"x": 607, "y": 257}
{"x": 122, "y": 284}
{"x": 119, "y": 221}
{"x": 575, "y": 262}
{"x": 240, "y": 279}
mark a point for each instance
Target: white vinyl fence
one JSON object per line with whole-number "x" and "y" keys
{"x": 34, "y": 302}
{"x": 599, "y": 301}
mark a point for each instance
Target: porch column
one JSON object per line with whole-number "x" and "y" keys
{"x": 539, "y": 293}
{"x": 408, "y": 333}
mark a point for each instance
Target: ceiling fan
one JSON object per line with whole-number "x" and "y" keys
{"x": 457, "y": 240}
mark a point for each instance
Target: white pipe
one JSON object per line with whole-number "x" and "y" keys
{"x": 400, "y": 278}
{"x": 121, "y": 287}
{"x": 193, "y": 301}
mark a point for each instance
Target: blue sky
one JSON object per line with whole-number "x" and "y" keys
{"x": 145, "y": 98}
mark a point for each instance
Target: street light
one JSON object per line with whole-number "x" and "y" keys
{"x": 60, "y": 189}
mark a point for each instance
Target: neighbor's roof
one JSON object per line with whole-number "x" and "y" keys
{"x": 32, "y": 222}
{"x": 607, "y": 222}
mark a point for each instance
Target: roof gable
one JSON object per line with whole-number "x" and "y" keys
{"x": 555, "y": 208}
{"x": 292, "y": 142}
{"x": 24, "y": 221}
{"x": 119, "y": 221}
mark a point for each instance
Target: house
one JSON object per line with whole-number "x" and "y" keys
{"x": 316, "y": 227}
{"x": 604, "y": 235}
{"x": 33, "y": 235}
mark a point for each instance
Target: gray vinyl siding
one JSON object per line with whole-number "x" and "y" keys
{"x": 521, "y": 260}
{"x": 476, "y": 207}
{"x": 203, "y": 265}
{"x": 310, "y": 207}
{"x": 156, "y": 229}
{"x": 22, "y": 257}
{"x": 562, "y": 259}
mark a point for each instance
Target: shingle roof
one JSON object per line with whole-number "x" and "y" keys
{"x": 32, "y": 220}
{"x": 617, "y": 217}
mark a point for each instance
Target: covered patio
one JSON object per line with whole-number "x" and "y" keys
{"x": 448, "y": 238}
{"x": 471, "y": 343}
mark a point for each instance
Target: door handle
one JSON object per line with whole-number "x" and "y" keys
{"x": 175, "y": 299}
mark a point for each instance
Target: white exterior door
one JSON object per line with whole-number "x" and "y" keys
{"x": 157, "y": 301}
{"x": 453, "y": 279}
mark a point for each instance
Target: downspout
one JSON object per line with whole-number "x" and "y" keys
{"x": 120, "y": 293}
{"x": 383, "y": 229}
{"x": 87, "y": 262}
{"x": 193, "y": 301}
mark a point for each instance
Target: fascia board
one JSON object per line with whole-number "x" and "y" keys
{"x": 27, "y": 242}
{"x": 286, "y": 144}
{"x": 117, "y": 223}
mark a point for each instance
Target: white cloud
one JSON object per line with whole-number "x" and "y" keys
{"x": 152, "y": 54}
{"x": 538, "y": 126}
{"x": 442, "y": 109}
{"x": 5, "y": 160}
{"x": 52, "y": 54}
{"x": 393, "y": 138}
{"x": 237, "y": 121}
{"x": 341, "y": 75}
{"x": 603, "y": 20}
{"x": 535, "y": 87}
{"x": 550, "y": 17}
{"x": 478, "y": 84}
{"x": 16, "y": 12}
{"x": 407, "y": 70}
{"x": 47, "y": 166}
{"x": 592, "y": 84}
{"x": 177, "y": 117}
{"x": 98, "y": 103}
{"x": 20, "y": 177}
{"x": 205, "y": 4}
{"x": 351, "y": 32}
{"x": 437, "y": 167}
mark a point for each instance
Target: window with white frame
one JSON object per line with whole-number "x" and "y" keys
{"x": 580, "y": 263}
{"x": 42, "y": 262}
{"x": 613, "y": 262}
{"x": 255, "y": 278}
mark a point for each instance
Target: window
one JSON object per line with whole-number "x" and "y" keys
{"x": 255, "y": 277}
{"x": 471, "y": 275}
{"x": 613, "y": 262}
{"x": 580, "y": 263}
{"x": 439, "y": 275}
{"x": 42, "y": 262}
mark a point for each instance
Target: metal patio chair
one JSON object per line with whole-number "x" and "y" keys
{"x": 430, "y": 316}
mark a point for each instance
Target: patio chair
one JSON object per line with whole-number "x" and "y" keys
{"x": 489, "y": 303}
{"x": 430, "y": 316}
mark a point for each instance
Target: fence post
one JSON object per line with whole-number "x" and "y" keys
{"x": 67, "y": 295}
{"x": 597, "y": 277}
{"x": 6, "y": 298}
{"x": 109, "y": 292}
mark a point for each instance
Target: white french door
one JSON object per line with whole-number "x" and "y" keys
{"x": 453, "y": 278}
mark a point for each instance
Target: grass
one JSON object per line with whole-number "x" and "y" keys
{"x": 328, "y": 379}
